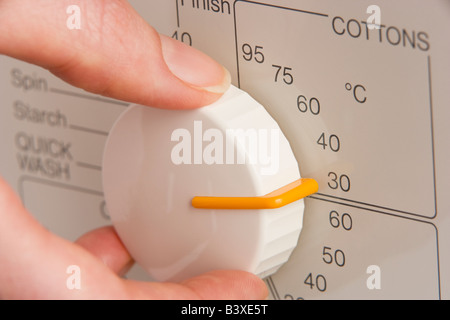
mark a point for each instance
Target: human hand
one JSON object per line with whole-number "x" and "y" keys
{"x": 116, "y": 54}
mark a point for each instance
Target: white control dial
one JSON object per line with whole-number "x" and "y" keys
{"x": 198, "y": 190}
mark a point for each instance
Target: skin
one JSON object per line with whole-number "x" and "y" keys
{"x": 115, "y": 54}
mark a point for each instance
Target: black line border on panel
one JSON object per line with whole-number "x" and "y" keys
{"x": 87, "y": 96}
{"x": 55, "y": 184}
{"x": 178, "y": 13}
{"x": 271, "y": 286}
{"x": 88, "y": 165}
{"x": 374, "y": 206}
{"x": 430, "y": 100}
{"x": 335, "y": 201}
{"x": 433, "y": 150}
{"x": 348, "y": 202}
{"x": 88, "y": 130}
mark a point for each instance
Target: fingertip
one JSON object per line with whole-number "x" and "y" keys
{"x": 105, "y": 244}
{"x": 194, "y": 67}
{"x": 14, "y": 215}
{"x": 228, "y": 285}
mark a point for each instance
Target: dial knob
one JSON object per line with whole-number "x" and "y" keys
{"x": 198, "y": 190}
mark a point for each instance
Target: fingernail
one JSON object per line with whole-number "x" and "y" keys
{"x": 194, "y": 67}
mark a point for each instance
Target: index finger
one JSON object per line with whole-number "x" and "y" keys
{"x": 114, "y": 53}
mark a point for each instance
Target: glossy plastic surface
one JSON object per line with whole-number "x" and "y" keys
{"x": 157, "y": 160}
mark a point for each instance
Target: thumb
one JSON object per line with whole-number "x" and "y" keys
{"x": 114, "y": 52}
